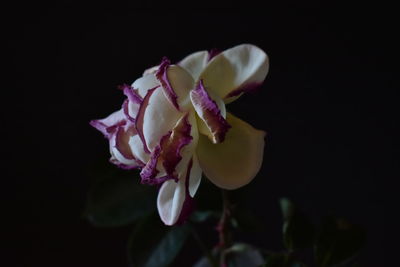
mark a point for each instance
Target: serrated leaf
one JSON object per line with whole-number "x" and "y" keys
{"x": 338, "y": 241}
{"x": 155, "y": 245}
{"x": 119, "y": 200}
{"x": 298, "y": 231}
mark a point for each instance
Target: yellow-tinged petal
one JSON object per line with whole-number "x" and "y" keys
{"x": 236, "y": 161}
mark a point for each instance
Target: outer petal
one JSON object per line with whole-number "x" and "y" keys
{"x": 236, "y": 161}
{"x": 109, "y": 124}
{"x": 210, "y": 113}
{"x": 132, "y": 103}
{"x": 195, "y": 63}
{"x": 235, "y": 71}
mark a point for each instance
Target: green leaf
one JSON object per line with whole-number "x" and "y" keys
{"x": 202, "y": 216}
{"x": 119, "y": 199}
{"x": 298, "y": 231}
{"x": 155, "y": 245}
{"x": 338, "y": 242}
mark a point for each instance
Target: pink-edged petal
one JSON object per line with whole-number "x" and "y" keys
{"x": 145, "y": 83}
{"x": 109, "y": 124}
{"x": 162, "y": 76}
{"x": 132, "y": 104}
{"x": 209, "y": 112}
{"x": 121, "y": 155}
{"x": 179, "y": 138}
{"x": 140, "y": 118}
{"x": 195, "y": 63}
{"x": 149, "y": 173}
{"x": 176, "y": 83}
{"x": 166, "y": 156}
{"x": 235, "y": 71}
{"x": 156, "y": 118}
{"x": 151, "y": 70}
{"x": 236, "y": 161}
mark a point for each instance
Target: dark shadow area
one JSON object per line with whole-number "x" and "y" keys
{"x": 328, "y": 105}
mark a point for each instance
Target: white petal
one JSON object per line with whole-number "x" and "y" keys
{"x": 236, "y": 70}
{"x": 151, "y": 70}
{"x": 195, "y": 177}
{"x": 236, "y": 161}
{"x": 180, "y": 83}
{"x": 160, "y": 116}
{"x": 170, "y": 200}
{"x": 195, "y": 63}
{"x": 145, "y": 83}
{"x": 136, "y": 146}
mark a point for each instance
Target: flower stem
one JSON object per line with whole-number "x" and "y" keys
{"x": 225, "y": 238}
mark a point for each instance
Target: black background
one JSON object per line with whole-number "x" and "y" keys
{"x": 328, "y": 104}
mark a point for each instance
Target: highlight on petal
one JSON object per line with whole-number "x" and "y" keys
{"x": 236, "y": 161}
{"x": 170, "y": 201}
{"x": 176, "y": 83}
{"x": 140, "y": 118}
{"x": 156, "y": 118}
{"x": 195, "y": 63}
{"x": 210, "y": 113}
{"x": 235, "y": 71}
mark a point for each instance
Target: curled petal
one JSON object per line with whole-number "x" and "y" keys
{"x": 120, "y": 150}
{"x": 162, "y": 76}
{"x": 176, "y": 83}
{"x": 109, "y": 125}
{"x": 168, "y": 154}
{"x": 140, "y": 118}
{"x": 195, "y": 63}
{"x": 179, "y": 138}
{"x": 132, "y": 104}
{"x": 236, "y": 70}
{"x": 236, "y": 161}
{"x": 210, "y": 113}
